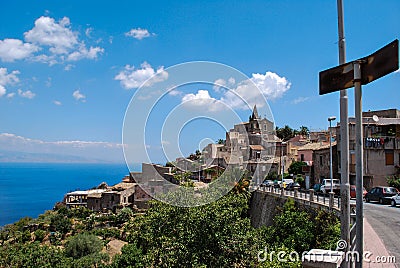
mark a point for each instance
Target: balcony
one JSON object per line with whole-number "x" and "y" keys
{"x": 382, "y": 142}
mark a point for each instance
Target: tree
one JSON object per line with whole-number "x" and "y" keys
{"x": 81, "y": 245}
{"x": 304, "y": 131}
{"x": 124, "y": 215}
{"x": 60, "y": 223}
{"x": 32, "y": 255}
{"x": 285, "y": 133}
{"x": 220, "y": 141}
{"x": 394, "y": 181}
{"x": 131, "y": 257}
{"x": 216, "y": 235}
{"x": 296, "y": 167}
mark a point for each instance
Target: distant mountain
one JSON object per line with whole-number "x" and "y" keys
{"x": 11, "y": 156}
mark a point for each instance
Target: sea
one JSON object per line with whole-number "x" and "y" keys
{"x": 29, "y": 189}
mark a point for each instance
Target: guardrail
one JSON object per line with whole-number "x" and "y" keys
{"x": 331, "y": 201}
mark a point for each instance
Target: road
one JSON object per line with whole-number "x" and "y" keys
{"x": 385, "y": 220}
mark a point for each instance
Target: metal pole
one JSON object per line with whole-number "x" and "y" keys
{"x": 282, "y": 164}
{"x": 344, "y": 144}
{"x": 359, "y": 163}
{"x": 330, "y": 154}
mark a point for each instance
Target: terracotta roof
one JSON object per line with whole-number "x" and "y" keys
{"x": 315, "y": 146}
{"x": 123, "y": 185}
{"x": 257, "y": 147}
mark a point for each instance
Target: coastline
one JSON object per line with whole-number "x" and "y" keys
{"x": 29, "y": 189}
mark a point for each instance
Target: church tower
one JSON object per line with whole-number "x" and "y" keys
{"x": 253, "y": 121}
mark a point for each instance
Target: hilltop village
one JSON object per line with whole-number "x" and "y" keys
{"x": 255, "y": 146}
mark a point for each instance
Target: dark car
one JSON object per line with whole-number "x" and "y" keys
{"x": 382, "y": 194}
{"x": 292, "y": 185}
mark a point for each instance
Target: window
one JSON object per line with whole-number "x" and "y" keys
{"x": 321, "y": 160}
{"x": 302, "y": 157}
{"x": 389, "y": 157}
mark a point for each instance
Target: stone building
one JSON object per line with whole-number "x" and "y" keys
{"x": 321, "y": 164}
{"x": 248, "y": 145}
{"x": 381, "y": 144}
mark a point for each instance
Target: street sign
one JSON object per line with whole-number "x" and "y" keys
{"x": 336, "y": 78}
{"x": 382, "y": 62}
{"x": 374, "y": 66}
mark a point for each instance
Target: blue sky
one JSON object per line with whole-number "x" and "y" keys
{"x": 68, "y": 69}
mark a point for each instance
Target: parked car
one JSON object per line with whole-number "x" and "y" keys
{"x": 395, "y": 200}
{"x": 382, "y": 194}
{"x": 267, "y": 183}
{"x": 326, "y": 186}
{"x": 353, "y": 191}
{"x": 317, "y": 187}
{"x": 285, "y": 183}
{"x": 293, "y": 185}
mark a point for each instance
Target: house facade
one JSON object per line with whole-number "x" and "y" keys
{"x": 381, "y": 145}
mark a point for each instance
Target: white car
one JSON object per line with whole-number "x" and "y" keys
{"x": 395, "y": 200}
{"x": 326, "y": 186}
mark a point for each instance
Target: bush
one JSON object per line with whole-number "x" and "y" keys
{"x": 131, "y": 257}
{"x": 394, "y": 181}
{"x": 293, "y": 228}
{"x": 81, "y": 245}
{"x": 60, "y": 223}
{"x": 39, "y": 235}
{"x": 296, "y": 167}
{"x": 124, "y": 215}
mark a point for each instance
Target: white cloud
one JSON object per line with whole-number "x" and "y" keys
{"x": 10, "y": 95}
{"x": 2, "y": 91}
{"x": 107, "y": 151}
{"x": 58, "y": 36}
{"x": 79, "y": 96}
{"x": 68, "y": 67}
{"x": 48, "y": 82}
{"x": 202, "y": 99}
{"x": 88, "y": 31}
{"x": 84, "y": 53}
{"x": 175, "y": 92}
{"x": 56, "y": 102}
{"x": 56, "y": 39}
{"x": 219, "y": 84}
{"x": 26, "y": 94}
{"x": 131, "y": 77}
{"x": 139, "y": 33}
{"x": 15, "y": 49}
{"x": 7, "y": 79}
{"x": 253, "y": 91}
{"x": 300, "y": 100}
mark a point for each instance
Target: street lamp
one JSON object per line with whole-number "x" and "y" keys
{"x": 330, "y": 119}
{"x": 282, "y": 161}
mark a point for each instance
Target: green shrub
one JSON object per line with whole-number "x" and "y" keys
{"x": 81, "y": 245}
{"x": 39, "y": 235}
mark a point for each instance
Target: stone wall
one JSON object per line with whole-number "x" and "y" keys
{"x": 264, "y": 206}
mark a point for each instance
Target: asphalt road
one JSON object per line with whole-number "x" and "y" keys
{"x": 385, "y": 220}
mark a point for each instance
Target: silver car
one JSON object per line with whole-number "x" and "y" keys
{"x": 395, "y": 200}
